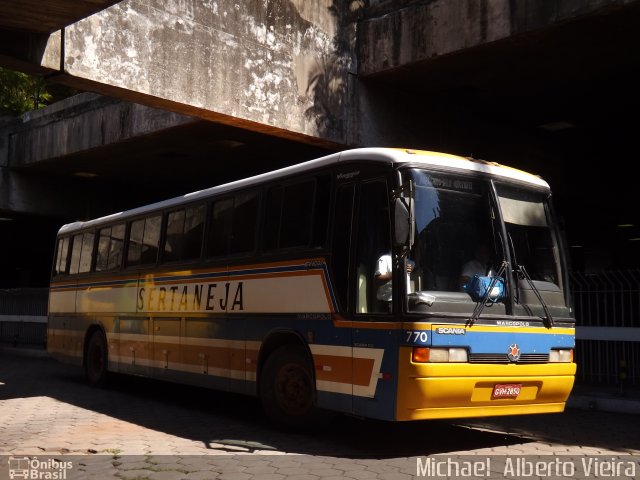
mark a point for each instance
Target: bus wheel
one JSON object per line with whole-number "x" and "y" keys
{"x": 287, "y": 388}
{"x": 96, "y": 360}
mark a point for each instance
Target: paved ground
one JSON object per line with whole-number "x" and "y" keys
{"x": 145, "y": 429}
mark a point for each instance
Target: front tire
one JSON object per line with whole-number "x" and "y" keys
{"x": 287, "y": 388}
{"x": 96, "y": 360}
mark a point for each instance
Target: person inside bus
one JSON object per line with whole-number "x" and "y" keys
{"x": 479, "y": 265}
{"x": 383, "y": 276}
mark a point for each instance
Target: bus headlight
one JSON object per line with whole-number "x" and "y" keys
{"x": 439, "y": 355}
{"x": 563, "y": 355}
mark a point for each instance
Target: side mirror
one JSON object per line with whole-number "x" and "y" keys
{"x": 403, "y": 219}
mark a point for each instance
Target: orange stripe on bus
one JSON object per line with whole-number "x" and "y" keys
{"x": 367, "y": 325}
{"x": 344, "y": 369}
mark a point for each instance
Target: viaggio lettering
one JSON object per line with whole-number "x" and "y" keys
{"x": 191, "y": 297}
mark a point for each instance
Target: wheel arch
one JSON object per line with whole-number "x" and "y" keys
{"x": 94, "y": 327}
{"x": 281, "y": 338}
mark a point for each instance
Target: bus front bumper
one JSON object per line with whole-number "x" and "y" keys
{"x": 455, "y": 390}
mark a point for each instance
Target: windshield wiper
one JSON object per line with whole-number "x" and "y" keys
{"x": 548, "y": 321}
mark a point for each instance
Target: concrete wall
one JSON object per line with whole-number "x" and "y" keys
{"x": 397, "y": 33}
{"x": 279, "y": 66}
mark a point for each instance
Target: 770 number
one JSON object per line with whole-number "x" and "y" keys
{"x": 416, "y": 336}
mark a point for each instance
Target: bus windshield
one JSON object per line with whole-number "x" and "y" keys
{"x": 534, "y": 250}
{"x": 458, "y": 236}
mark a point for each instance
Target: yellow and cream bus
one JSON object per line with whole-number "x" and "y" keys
{"x": 335, "y": 284}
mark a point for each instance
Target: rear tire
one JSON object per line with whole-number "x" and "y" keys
{"x": 287, "y": 388}
{"x": 96, "y": 360}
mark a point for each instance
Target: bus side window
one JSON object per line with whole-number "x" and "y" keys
{"x": 321, "y": 210}
{"x": 109, "y": 251}
{"x": 297, "y": 209}
{"x": 244, "y": 223}
{"x": 341, "y": 241}
{"x": 76, "y": 246}
{"x": 144, "y": 239}
{"x": 273, "y": 212}
{"x": 81, "y": 254}
{"x": 373, "y": 249}
{"x": 102, "y": 253}
{"x": 86, "y": 254}
{"x": 232, "y": 227}
{"x": 116, "y": 247}
{"x": 62, "y": 256}
{"x": 174, "y": 236}
{"x": 183, "y": 239}
{"x": 135, "y": 242}
{"x": 219, "y": 227}
{"x": 151, "y": 240}
{"x": 289, "y": 215}
{"x": 193, "y": 229}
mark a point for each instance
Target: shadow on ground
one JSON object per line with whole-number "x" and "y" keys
{"x": 236, "y": 423}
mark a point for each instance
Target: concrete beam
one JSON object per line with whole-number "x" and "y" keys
{"x": 393, "y": 37}
{"x": 49, "y": 16}
{"x": 76, "y": 125}
{"x": 280, "y": 67}
{"x": 81, "y": 123}
{"x": 23, "y": 194}
{"x": 25, "y": 26}
{"x": 30, "y": 52}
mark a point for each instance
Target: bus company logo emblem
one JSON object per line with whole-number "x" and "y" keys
{"x": 513, "y": 352}
{"x": 451, "y": 331}
{"x": 347, "y": 176}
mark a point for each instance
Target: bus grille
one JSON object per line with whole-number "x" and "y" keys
{"x": 503, "y": 358}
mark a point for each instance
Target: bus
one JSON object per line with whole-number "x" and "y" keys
{"x": 331, "y": 285}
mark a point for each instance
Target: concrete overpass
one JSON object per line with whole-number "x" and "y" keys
{"x": 294, "y": 69}
{"x": 214, "y": 86}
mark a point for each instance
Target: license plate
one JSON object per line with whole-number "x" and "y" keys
{"x": 506, "y": 390}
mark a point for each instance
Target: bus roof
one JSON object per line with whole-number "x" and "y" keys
{"x": 383, "y": 155}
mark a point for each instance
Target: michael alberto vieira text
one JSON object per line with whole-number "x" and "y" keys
{"x": 523, "y": 467}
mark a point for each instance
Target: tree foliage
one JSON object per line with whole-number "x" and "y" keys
{"x": 20, "y": 92}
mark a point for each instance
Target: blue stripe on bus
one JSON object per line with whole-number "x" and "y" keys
{"x": 334, "y": 303}
{"x": 108, "y": 283}
{"x": 499, "y": 342}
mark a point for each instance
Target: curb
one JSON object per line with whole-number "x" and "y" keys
{"x": 23, "y": 351}
{"x": 605, "y": 404}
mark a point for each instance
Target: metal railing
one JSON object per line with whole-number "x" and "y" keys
{"x": 607, "y": 310}
{"x": 23, "y": 316}
{"x": 24, "y": 301}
